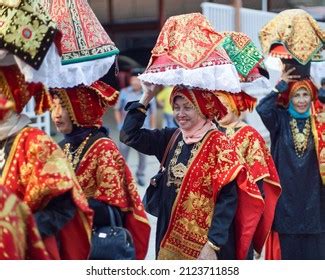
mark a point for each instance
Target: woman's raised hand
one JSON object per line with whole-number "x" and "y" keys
{"x": 288, "y": 77}
{"x": 149, "y": 92}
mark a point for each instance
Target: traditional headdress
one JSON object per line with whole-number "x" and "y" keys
{"x": 205, "y": 102}
{"x": 14, "y": 87}
{"x": 298, "y": 33}
{"x": 188, "y": 52}
{"x": 238, "y": 102}
{"x": 284, "y": 97}
{"x": 87, "y": 104}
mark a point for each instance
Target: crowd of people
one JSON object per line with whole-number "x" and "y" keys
{"x": 222, "y": 194}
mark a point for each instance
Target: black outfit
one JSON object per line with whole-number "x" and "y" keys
{"x": 300, "y": 212}
{"x": 154, "y": 142}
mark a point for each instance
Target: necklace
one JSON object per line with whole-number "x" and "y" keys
{"x": 300, "y": 139}
{"x": 74, "y": 156}
{"x": 231, "y": 128}
{"x": 176, "y": 171}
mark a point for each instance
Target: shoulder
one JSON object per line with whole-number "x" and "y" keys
{"x": 103, "y": 145}
{"x": 219, "y": 140}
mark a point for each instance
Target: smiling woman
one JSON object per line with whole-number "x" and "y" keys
{"x": 204, "y": 186}
{"x": 297, "y": 148}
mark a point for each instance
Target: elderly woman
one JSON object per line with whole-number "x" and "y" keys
{"x": 101, "y": 170}
{"x": 198, "y": 191}
{"x": 299, "y": 224}
{"x": 257, "y": 156}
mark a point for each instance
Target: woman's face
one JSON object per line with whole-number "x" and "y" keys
{"x": 231, "y": 116}
{"x": 60, "y": 117}
{"x": 185, "y": 114}
{"x": 301, "y": 100}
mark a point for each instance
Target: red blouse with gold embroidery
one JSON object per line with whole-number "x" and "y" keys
{"x": 19, "y": 236}
{"x": 213, "y": 166}
{"x": 104, "y": 175}
{"x": 261, "y": 167}
{"x": 36, "y": 170}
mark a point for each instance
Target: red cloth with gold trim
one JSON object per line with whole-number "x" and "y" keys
{"x": 83, "y": 36}
{"x": 14, "y": 87}
{"x": 104, "y": 175}
{"x": 19, "y": 236}
{"x": 297, "y": 31}
{"x": 188, "y": 52}
{"x": 318, "y": 128}
{"x": 214, "y": 165}
{"x": 204, "y": 101}
{"x": 261, "y": 166}
{"x": 239, "y": 102}
{"x": 87, "y": 104}
{"x": 37, "y": 170}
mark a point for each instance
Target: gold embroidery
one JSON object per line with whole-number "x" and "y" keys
{"x": 300, "y": 139}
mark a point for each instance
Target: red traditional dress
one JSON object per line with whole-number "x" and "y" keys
{"x": 102, "y": 171}
{"x": 37, "y": 171}
{"x": 259, "y": 162}
{"x": 19, "y": 236}
{"x": 35, "y": 168}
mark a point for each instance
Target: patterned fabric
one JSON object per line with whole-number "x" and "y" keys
{"x": 261, "y": 166}
{"x": 238, "y": 102}
{"x": 26, "y": 30}
{"x": 297, "y": 31}
{"x": 87, "y": 104}
{"x": 212, "y": 167}
{"x": 318, "y": 128}
{"x": 83, "y": 37}
{"x": 36, "y": 170}
{"x": 14, "y": 88}
{"x": 187, "y": 39}
{"x": 207, "y": 104}
{"x": 242, "y": 52}
{"x": 19, "y": 236}
{"x": 104, "y": 175}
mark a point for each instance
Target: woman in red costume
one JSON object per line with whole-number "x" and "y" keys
{"x": 34, "y": 168}
{"x": 100, "y": 168}
{"x": 257, "y": 156}
{"x": 204, "y": 187}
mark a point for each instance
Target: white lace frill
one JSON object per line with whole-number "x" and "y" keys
{"x": 53, "y": 74}
{"x": 217, "y": 77}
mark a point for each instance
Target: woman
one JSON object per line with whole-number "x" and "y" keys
{"x": 199, "y": 196}
{"x": 34, "y": 168}
{"x": 100, "y": 168}
{"x": 257, "y": 156}
{"x": 299, "y": 223}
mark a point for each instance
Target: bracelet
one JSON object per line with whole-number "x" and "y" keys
{"x": 214, "y": 247}
{"x": 142, "y": 110}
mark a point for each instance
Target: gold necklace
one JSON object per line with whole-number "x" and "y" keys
{"x": 300, "y": 139}
{"x": 74, "y": 156}
{"x": 230, "y": 129}
{"x": 176, "y": 171}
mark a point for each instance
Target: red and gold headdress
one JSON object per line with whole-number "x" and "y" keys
{"x": 87, "y": 104}
{"x": 188, "y": 52}
{"x": 207, "y": 104}
{"x": 238, "y": 102}
{"x": 14, "y": 87}
{"x": 284, "y": 97}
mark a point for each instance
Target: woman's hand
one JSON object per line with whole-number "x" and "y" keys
{"x": 149, "y": 92}
{"x": 207, "y": 253}
{"x": 287, "y": 77}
